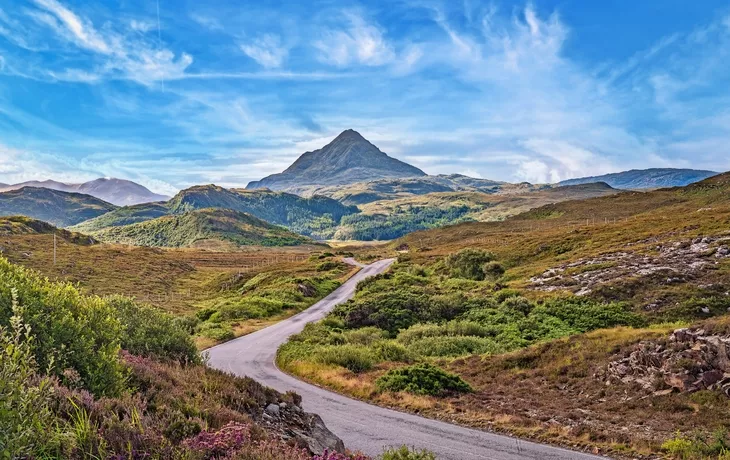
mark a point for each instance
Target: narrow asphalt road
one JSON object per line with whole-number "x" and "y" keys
{"x": 363, "y": 426}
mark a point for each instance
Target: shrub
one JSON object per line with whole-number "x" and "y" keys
{"x": 388, "y": 350}
{"x": 365, "y": 336}
{"x": 218, "y": 332}
{"x": 468, "y": 263}
{"x": 26, "y": 420}
{"x": 354, "y": 358}
{"x": 150, "y": 332}
{"x": 327, "y": 266}
{"x": 422, "y": 379}
{"x": 251, "y": 307}
{"x": 455, "y": 346}
{"x": 404, "y": 453}
{"x": 493, "y": 270}
{"x": 71, "y": 331}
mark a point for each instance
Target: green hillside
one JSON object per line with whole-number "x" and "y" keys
{"x": 210, "y": 226}
{"x": 21, "y": 225}
{"x": 317, "y": 216}
{"x": 62, "y": 209}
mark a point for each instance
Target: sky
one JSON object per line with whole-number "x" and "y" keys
{"x": 176, "y": 93}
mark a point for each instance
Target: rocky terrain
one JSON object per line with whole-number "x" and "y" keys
{"x": 679, "y": 261}
{"x": 690, "y": 360}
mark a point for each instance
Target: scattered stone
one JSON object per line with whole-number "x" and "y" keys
{"x": 273, "y": 410}
{"x": 307, "y": 290}
{"x": 689, "y": 361}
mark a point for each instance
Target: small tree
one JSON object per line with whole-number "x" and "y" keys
{"x": 468, "y": 263}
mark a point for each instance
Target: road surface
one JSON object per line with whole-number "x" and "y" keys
{"x": 363, "y": 426}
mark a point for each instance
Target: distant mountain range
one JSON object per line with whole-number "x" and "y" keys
{"x": 116, "y": 191}
{"x": 646, "y": 178}
{"x": 348, "y": 159}
{"x": 58, "y": 208}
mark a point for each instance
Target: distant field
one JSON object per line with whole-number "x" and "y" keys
{"x": 184, "y": 281}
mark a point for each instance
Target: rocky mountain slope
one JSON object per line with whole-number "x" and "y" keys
{"x": 116, "y": 191}
{"x": 58, "y": 208}
{"x": 204, "y": 227}
{"x": 646, "y": 178}
{"x": 348, "y": 159}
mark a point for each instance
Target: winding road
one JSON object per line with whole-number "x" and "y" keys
{"x": 360, "y": 425}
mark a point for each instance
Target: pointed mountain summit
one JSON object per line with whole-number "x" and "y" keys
{"x": 348, "y": 159}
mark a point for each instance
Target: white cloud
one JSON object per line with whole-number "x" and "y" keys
{"x": 114, "y": 54}
{"x": 359, "y": 43}
{"x": 142, "y": 26}
{"x": 267, "y": 50}
{"x": 207, "y": 22}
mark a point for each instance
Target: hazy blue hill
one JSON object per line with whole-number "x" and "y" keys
{"x": 348, "y": 159}
{"x": 646, "y": 178}
{"x": 211, "y": 226}
{"x": 116, "y": 191}
{"x": 62, "y": 209}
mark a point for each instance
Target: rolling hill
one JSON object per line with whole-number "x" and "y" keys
{"x": 210, "y": 227}
{"x": 116, "y": 191}
{"x": 348, "y": 159}
{"x": 21, "y": 225}
{"x": 394, "y": 188}
{"x": 62, "y": 209}
{"x": 646, "y": 178}
{"x": 388, "y": 219}
{"x": 317, "y": 216}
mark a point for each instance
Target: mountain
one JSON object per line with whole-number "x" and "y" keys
{"x": 204, "y": 227}
{"x": 116, "y": 191}
{"x": 348, "y": 159}
{"x": 62, "y": 209}
{"x": 646, "y": 178}
{"x": 316, "y": 216}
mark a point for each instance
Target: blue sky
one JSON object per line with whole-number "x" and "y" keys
{"x": 230, "y": 91}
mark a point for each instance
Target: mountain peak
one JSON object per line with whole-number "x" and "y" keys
{"x": 350, "y": 134}
{"x": 348, "y": 159}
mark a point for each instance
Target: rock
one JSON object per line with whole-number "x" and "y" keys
{"x": 273, "y": 410}
{"x": 318, "y": 438}
{"x": 307, "y": 290}
{"x": 690, "y": 360}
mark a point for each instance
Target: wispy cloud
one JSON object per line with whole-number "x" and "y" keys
{"x": 361, "y": 42}
{"x": 267, "y": 50}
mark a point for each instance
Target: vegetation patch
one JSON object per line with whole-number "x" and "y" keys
{"x": 422, "y": 379}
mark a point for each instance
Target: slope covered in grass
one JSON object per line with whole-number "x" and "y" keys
{"x": 201, "y": 227}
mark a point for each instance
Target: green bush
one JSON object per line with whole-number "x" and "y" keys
{"x": 388, "y": 350}
{"x": 468, "y": 263}
{"x": 493, "y": 270}
{"x": 26, "y": 420}
{"x": 354, "y": 358}
{"x": 72, "y": 331}
{"x": 151, "y": 332}
{"x": 365, "y": 336}
{"x": 217, "y": 332}
{"x": 404, "y": 453}
{"x": 455, "y": 346}
{"x": 327, "y": 266}
{"x": 422, "y": 379}
{"x": 251, "y": 307}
